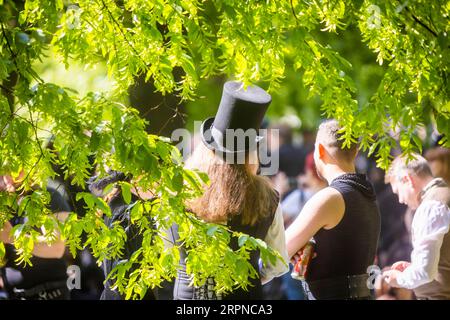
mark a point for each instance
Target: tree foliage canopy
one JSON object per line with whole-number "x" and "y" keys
{"x": 253, "y": 41}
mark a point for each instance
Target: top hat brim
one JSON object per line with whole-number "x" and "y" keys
{"x": 210, "y": 143}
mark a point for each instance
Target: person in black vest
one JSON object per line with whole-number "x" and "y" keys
{"x": 46, "y": 279}
{"x": 343, "y": 219}
{"x": 120, "y": 213}
{"x": 236, "y": 196}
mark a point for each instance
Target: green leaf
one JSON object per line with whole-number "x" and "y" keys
{"x": 136, "y": 212}
{"x": 242, "y": 240}
{"x": 87, "y": 197}
{"x": 177, "y": 181}
{"x": 126, "y": 191}
{"x": 212, "y": 230}
{"x": 2, "y": 251}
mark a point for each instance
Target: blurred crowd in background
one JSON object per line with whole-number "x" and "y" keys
{"x": 296, "y": 181}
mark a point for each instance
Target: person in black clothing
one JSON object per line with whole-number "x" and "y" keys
{"x": 292, "y": 157}
{"x": 91, "y": 284}
{"x": 236, "y": 196}
{"x": 46, "y": 279}
{"x": 395, "y": 238}
{"x": 120, "y": 214}
{"x": 343, "y": 219}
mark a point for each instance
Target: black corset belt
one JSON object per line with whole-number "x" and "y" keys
{"x": 341, "y": 288}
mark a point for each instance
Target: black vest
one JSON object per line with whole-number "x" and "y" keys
{"x": 121, "y": 214}
{"x": 182, "y": 290}
{"x": 350, "y": 247}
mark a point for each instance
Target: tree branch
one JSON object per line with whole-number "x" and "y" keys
{"x": 293, "y": 11}
{"x": 420, "y": 22}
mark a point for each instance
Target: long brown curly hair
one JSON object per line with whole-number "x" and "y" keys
{"x": 234, "y": 189}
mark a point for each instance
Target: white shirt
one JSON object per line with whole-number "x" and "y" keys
{"x": 275, "y": 239}
{"x": 430, "y": 223}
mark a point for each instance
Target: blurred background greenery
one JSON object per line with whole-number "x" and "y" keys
{"x": 291, "y": 102}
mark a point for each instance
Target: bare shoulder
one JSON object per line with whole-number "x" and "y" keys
{"x": 328, "y": 196}
{"x": 329, "y": 204}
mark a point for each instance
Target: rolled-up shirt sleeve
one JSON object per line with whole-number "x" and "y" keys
{"x": 275, "y": 239}
{"x": 431, "y": 223}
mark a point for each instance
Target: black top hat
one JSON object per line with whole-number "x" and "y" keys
{"x": 239, "y": 108}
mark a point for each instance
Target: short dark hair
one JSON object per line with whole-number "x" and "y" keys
{"x": 330, "y": 136}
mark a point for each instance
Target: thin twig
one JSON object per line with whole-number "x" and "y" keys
{"x": 122, "y": 33}
{"x": 13, "y": 54}
{"x": 293, "y": 11}
{"x": 420, "y": 22}
{"x": 35, "y": 130}
{"x": 424, "y": 25}
{"x": 6, "y": 89}
{"x": 168, "y": 120}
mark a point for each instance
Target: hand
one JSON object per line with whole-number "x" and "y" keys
{"x": 391, "y": 276}
{"x": 381, "y": 286}
{"x": 400, "y": 265}
{"x": 300, "y": 255}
